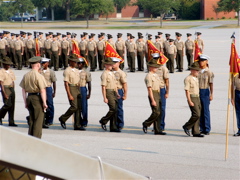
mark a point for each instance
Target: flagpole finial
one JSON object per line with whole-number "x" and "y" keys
{"x": 233, "y": 35}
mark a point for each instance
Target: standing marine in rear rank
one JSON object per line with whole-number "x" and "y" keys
{"x": 205, "y": 77}
{"x": 200, "y": 41}
{"x": 171, "y": 52}
{"x": 152, "y": 82}
{"x": 190, "y": 46}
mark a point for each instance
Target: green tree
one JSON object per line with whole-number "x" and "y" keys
{"x": 48, "y": 4}
{"x": 160, "y": 7}
{"x": 87, "y": 8}
{"x": 108, "y": 8}
{"x": 189, "y": 9}
{"x": 22, "y": 6}
{"x": 6, "y": 11}
{"x": 121, "y": 3}
{"x": 230, "y": 5}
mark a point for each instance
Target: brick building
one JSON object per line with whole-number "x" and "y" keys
{"x": 207, "y": 11}
{"x": 128, "y": 12}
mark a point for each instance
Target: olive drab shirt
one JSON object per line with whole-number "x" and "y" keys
{"x": 163, "y": 74}
{"x": 132, "y": 47}
{"x": 3, "y": 43}
{"x": 236, "y": 82}
{"x": 189, "y": 44}
{"x": 24, "y": 40}
{"x": 85, "y": 77}
{"x": 158, "y": 45}
{"x": 171, "y": 49}
{"x": 30, "y": 44}
{"x": 121, "y": 78}
{"x": 161, "y": 40}
{"x": 83, "y": 45}
{"x": 49, "y": 76}
{"x": 91, "y": 45}
{"x": 7, "y": 77}
{"x": 11, "y": 43}
{"x": 120, "y": 45}
{"x": 18, "y": 45}
{"x": 55, "y": 45}
{"x": 152, "y": 80}
{"x": 108, "y": 80}
{"x": 65, "y": 44}
{"x": 42, "y": 41}
{"x": 179, "y": 44}
{"x": 71, "y": 75}
{"x": 205, "y": 76}
{"x": 47, "y": 44}
{"x": 140, "y": 46}
{"x": 70, "y": 43}
{"x": 127, "y": 43}
{"x": 33, "y": 82}
{"x": 200, "y": 43}
{"x": 165, "y": 44}
{"x": 191, "y": 84}
{"x": 101, "y": 45}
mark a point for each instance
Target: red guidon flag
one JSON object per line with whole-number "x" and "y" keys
{"x": 234, "y": 62}
{"x": 152, "y": 49}
{"x": 37, "y": 47}
{"x": 197, "y": 52}
{"x": 111, "y": 52}
{"x": 76, "y": 51}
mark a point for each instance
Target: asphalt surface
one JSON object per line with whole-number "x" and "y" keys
{"x": 174, "y": 156}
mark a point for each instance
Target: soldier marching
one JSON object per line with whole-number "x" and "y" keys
{"x": 58, "y": 49}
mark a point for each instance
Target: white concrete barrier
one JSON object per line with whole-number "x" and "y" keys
{"x": 45, "y": 159}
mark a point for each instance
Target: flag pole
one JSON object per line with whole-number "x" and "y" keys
{"x": 234, "y": 120}
{"x": 228, "y": 115}
{"x": 229, "y": 101}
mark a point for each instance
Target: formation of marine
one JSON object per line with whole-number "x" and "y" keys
{"x": 59, "y": 51}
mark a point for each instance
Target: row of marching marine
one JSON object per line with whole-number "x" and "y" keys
{"x": 38, "y": 94}
{"x": 20, "y": 47}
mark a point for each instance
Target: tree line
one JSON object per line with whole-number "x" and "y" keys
{"x": 71, "y": 9}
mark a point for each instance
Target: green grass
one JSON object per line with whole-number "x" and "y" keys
{"x": 227, "y": 26}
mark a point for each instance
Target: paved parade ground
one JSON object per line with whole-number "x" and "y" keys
{"x": 174, "y": 156}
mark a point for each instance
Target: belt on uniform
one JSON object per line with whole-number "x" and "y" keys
{"x": 194, "y": 95}
{"x": 31, "y": 94}
{"x": 10, "y": 86}
{"x": 72, "y": 85}
{"x": 155, "y": 90}
{"x": 110, "y": 89}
